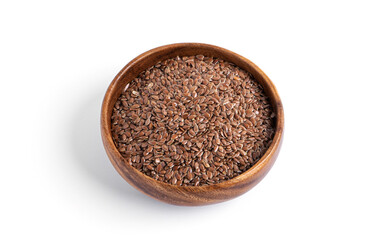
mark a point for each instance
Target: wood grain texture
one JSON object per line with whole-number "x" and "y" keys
{"x": 189, "y": 195}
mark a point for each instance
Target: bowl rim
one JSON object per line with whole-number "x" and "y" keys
{"x": 258, "y": 166}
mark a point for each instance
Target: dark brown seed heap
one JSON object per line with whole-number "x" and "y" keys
{"x": 193, "y": 121}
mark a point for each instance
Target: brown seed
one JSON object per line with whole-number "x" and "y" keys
{"x": 190, "y": 176}
{"x": 159, "y": 168}
{"x": 199, "y": 144}
{"x": 148, "y": 121}
{"x": 216, "y": 148}
{"x": 196, "y": 165}
{"x": 150, "y": 167}
{"x": 200, "y": 57}
{"x": 169, "y": 174}
{"x": 218, "y": 140}
{"x": 174, "y": 181}
{"x": 206, "y": 164}
{"x": 149, "y": 149}
{"x": 204, "y": 176}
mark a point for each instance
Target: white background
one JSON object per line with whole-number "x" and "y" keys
{"x": 330, "y": 61}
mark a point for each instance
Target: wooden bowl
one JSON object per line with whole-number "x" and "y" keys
{"x": 189, "y": 195}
